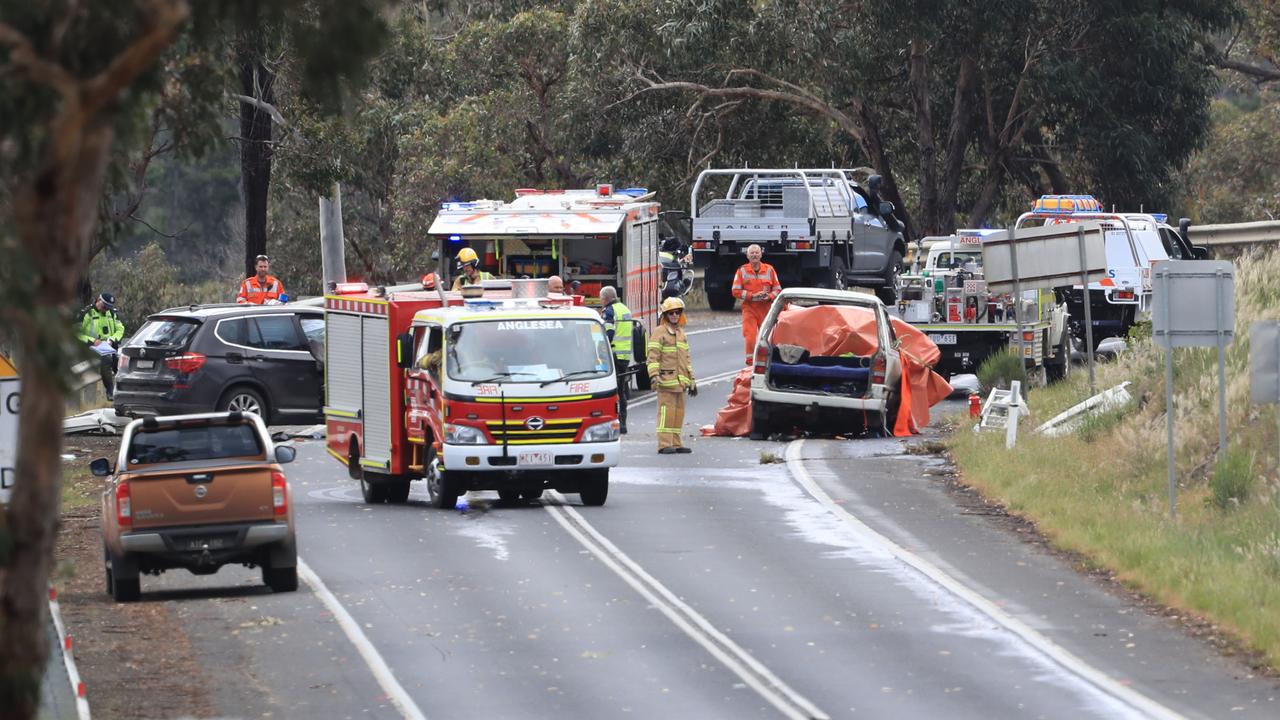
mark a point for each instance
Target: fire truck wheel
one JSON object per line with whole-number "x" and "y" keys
{"x": 375, "y": 493}
{"x": 398, "y": 491}
{"x": 443, "y": 491}
{"x": 1060, "y": 368}
{"x": 594, "y": 489}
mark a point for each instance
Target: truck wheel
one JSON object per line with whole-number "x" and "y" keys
{"x": 1061, "y": 368}
{"x": 595, "y": 488}
{"x": 889, "y": 293}
{"x": 721, "y": 298}
{"x": 531, "y": 495}
{"x": 122, "y": 578}
{"x": 398, "y": 491}
{"x": 833, "y": 278}
{"x": 375, "y": 493}
{"x": 509, "y": 497}
{"x": 443, "y": 491}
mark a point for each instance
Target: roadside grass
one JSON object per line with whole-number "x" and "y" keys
{"x": 1102, "y": 491}
{"x": 79, "y": 487}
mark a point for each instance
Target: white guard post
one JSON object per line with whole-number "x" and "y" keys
{"x": 1002, "y": 410}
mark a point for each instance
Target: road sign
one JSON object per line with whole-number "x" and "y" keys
{"x": 1194, "y": 305}
{"x": 1044, "y": 257}
{"x": 9, "y": 401}
{"x": 1197, "y": 306}
{"x": 1264, "y": 362}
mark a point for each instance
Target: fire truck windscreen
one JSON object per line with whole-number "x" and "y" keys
{"x": 528, "y": 350}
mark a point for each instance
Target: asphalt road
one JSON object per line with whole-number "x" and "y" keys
{"x": 844, "y": 582}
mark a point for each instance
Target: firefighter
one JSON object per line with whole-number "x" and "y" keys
{"x": 261, "y": 288}
{"x": 756, "y": 285}
{"x": 469, "y": 267}
{"x": 101, "y": 329}
{"x": 619, "y": 326}
{"x": 671, "y": 373}
{"x": 555, "y": 284}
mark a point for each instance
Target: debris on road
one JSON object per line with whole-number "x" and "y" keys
{"x": 103, "y": 421}
{"x": 1069, "y": 419}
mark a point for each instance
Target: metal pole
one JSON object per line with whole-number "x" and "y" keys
{"x": 1017, "y": 294}
{"x": 1088, "y": 312}
{"x": 1168, "y": 395}
{"x": 1222, "y": 369}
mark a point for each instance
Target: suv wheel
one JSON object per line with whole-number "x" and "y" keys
{"x": 243, "y": 399}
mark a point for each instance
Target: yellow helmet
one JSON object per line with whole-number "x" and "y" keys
{"x": 673, "y": 303}
{"x": 467, "y": 256}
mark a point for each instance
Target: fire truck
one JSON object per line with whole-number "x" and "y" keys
{"x": 511, "y": 390}
{"x": 594, "y": 237}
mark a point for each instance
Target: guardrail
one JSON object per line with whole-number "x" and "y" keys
{"x": 1236, "y": 234}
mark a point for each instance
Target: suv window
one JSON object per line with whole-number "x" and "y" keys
{"x": 239, "y": 331}
{"x": 165, "y": 332}
{"x": 206, "y": 442}
{"x": 313, "y": 328}
{"x": 278, "y": 332}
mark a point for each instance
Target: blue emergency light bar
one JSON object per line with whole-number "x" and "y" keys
{"x": 1161, "y": 217}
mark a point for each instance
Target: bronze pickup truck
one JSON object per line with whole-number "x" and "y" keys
{"x": 197, "y": 492}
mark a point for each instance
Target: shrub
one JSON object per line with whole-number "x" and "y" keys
{"x": 1232, "y": 478}
{"x": 1001, "y": 369}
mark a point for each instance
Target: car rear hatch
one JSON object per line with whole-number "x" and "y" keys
{"x": 199, "y": 474}
{"x": 158, "y": 356}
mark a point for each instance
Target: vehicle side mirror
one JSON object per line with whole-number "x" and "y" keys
{"x": 1200, "y": 252}
{"x": 886, "y": 208}
{"x": 285, "y": 454}
{"x": 100, "y": 467}
{"x": 873, "y": 183}
{"x": 404, "y": 351}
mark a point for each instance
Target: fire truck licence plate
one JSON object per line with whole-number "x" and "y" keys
{"x": 534, "y": 458}
{"x": 943, "y": 338}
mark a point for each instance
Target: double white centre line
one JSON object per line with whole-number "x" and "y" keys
{"x": 754, "y": 674}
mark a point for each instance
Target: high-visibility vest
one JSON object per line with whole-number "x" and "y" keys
{"x": 748, "y": 282}
{"x": 622, "y": 327}
{"x": 462, "y": 280}
{"x": 253, "y": 292}
{"x": 96, "y": 325}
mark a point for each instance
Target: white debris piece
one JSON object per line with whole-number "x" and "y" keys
{"x": 104, "y": 421}
{"x": 1068, "y": 420}
{"x": 965, "y": 384}
{"x": 1112, "y": 348}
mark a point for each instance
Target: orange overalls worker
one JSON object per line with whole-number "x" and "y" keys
{"x": 262, "y": 288}
{"x": 756, "y": 285}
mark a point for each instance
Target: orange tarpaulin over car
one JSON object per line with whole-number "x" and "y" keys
{"x": 831, "y": 330}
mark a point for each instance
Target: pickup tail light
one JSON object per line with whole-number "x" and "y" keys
{"x": 279, "y": 494}
{"x": 761, "y": 358}
{"x": 702, "y": 245}
{"x": 186, "y": 363}
{"x": 124, "y": 506}
{"x": 1124, "y": 295}
{"x": 879, "y": 370}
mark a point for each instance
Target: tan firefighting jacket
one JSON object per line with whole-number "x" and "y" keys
{"x": 668, "y": 358}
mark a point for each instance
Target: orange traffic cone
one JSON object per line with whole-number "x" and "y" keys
{"x": 490, "y": 256}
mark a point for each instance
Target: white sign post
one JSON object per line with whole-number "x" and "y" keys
{"x": 1194, "y": 306}
{"x": 9, "y": 401}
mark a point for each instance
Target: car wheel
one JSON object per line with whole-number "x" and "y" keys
{"x": 243, "y": 399}
{"x": 443, "y": 491}
{"x": 280, "y": 579}
{"x": 760, "y": 428}
{"x": 374, "y": 492}
{"x": 889, "y": 293}
{"x": 398, "y": 491}
{"x": 595, "y": 488}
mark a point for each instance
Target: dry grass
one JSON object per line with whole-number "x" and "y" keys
{"x": 1103, "y": 492}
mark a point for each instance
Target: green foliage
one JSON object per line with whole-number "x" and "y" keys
{"x": 1139, "y": 332}
{"x": 147, "y": 282}
{"x": 1000, "y": 369}
{"x": 1235, "y": 177}
{"x": 1233, "y": 479}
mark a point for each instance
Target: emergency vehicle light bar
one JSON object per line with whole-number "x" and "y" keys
{"x": 350, "y": 288}
{"x": 1066, "y": 204}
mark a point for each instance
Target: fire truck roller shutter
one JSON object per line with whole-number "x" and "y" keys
{"x": 344, "y": 384}
{"x": 376, "y": 351}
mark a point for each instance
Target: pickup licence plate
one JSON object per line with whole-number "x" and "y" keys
{"x": 144, "y": 364}
{"x": 200, "y": 543}
{"x": 943, "y": 338}
{"x": 534, "y": 458}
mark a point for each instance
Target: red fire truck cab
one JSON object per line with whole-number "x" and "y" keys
{"x": 510, "y": 391}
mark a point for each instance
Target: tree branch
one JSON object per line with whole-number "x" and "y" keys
{"x": 22, "y": 55}
{"x": 1259, "y": 74}
{"x": 264, "y": 106}
{"x": 162, "y": 18}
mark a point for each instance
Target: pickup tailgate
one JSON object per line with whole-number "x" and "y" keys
{"x": 201, "y": 497}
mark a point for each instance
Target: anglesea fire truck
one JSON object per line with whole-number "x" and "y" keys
{"x": 512, "y": 390}
{"x": 596, "y": 237}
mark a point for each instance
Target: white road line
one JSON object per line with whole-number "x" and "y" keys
{"x": 752, "y": 672}
{"x": 381, "y": 671}
{"x": 1051, "y": 650}
{"x": 653, "y": 397}
{"x": 711, "y": 330}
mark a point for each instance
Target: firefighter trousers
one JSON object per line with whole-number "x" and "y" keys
{"x": 752, "y": 315}
{"x": 670, "y": 417}
{"x": 624, "y": 389}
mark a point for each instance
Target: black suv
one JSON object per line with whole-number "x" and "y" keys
{"x": 260, "y": 358}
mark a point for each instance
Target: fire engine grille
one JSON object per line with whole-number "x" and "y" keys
{"x": 515, "y": 432}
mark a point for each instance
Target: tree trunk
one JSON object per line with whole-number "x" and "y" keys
{"x": 256, "y": 81}
{"x": 872, "y": 144}
{"x": 958, "y": 137}
{"x": 928, "y": 183}
{"x": 55, "y": 217}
